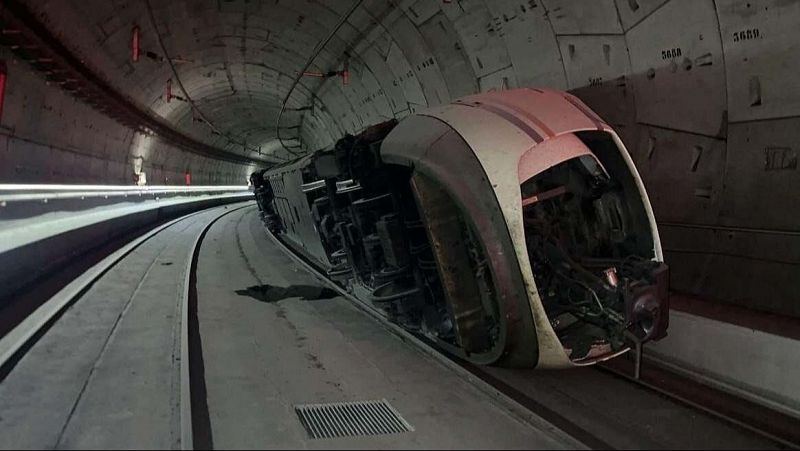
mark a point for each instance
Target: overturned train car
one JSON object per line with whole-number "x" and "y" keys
{"x": 510, "y": 228}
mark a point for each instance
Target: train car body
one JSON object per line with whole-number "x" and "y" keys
{"x": 509, "y": 227}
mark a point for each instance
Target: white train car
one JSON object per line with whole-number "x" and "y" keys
{"x": 509, "y": 227}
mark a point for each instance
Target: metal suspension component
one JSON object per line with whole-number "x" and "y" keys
{"x": 462, "y": 293}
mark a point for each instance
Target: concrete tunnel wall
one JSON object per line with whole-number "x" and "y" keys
{"x": 703, "y": 92}
{"x": 47, "y": 136}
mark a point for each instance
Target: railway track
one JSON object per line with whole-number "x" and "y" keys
{"x": 25, "y": 334}
{"x": 743, "y": 413}
{"x": 775, "y": 427}
{"x": 522, "y": 393}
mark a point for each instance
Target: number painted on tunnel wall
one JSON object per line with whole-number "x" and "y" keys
{"x": 745, "y": 35}
{"x": 671, "y": 53}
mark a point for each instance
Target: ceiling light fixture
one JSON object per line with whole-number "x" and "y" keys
{"x": 3, "y": 77}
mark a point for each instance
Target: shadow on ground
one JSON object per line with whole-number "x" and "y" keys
{"x": 269, "y": 293}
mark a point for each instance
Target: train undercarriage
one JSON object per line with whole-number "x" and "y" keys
{"x": 396, "y": 237}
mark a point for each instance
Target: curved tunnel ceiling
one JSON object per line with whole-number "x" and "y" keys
{"x": 703, "y": 93}
{"x": 235, "y": 60}
{"x": 647, "y": 60}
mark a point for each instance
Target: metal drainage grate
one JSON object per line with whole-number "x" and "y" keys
{"x": 351, "y": 419}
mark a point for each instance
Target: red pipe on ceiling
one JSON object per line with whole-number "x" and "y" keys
{"x": 3, "y": 76}
{"x": 135, "y": 48}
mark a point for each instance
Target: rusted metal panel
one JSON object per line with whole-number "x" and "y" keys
{"x": 432, "y": 148}
{"x": 443, "y": 225}
{"x": 499, "y": 160}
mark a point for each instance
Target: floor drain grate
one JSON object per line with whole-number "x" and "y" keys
{"x": 351, "y": 419}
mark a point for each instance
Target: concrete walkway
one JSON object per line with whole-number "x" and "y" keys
{"x": 273, "y": 338}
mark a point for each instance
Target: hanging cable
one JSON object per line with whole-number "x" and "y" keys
{"x": 188, "y": 98}
{"x": 376, "y": 22}
{"x": 313, "y": 56}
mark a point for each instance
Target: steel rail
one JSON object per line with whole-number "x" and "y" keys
{"x": 41, "y": 318}
{"x": 189, "y": 411}
{"x": 509, "y": 395}
{"x": 520, "y": 406}
{"x": 16, "y": 342}
{"x": 650, "y": 383}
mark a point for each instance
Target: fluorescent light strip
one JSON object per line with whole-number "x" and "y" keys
{"x": 29, "y": 193}
{"x": 44, "y": 187}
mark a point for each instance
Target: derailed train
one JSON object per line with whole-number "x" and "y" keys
{"x": 510, "y": 228}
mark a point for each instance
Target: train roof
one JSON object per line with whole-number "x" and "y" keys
{"x": 541, "y": 113}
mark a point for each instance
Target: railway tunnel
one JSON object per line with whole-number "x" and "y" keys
{"x": 129, "y": 131}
